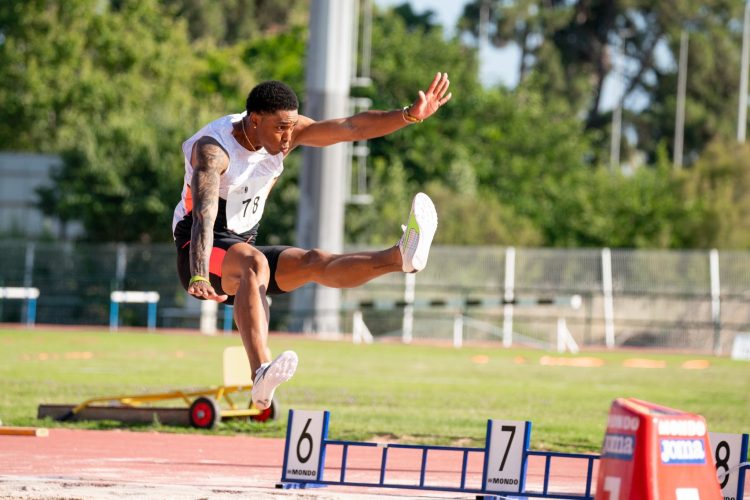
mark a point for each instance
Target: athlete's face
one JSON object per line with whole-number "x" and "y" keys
{"x": 275, "y": 130}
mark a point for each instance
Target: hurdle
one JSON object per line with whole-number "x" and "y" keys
{"x": 573, "y": 301}
{"x": 731, "y": 460}
{"x": 654, "y": 451}
{"x": 29, "y": 294}
{"x": 118, "y": 297}
{"x": 504, "y": 460}
{"x": 409, "y": 304}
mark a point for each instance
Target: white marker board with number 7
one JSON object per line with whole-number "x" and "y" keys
{"x": 505, "y": 455}
{"x": 304, "y": 455}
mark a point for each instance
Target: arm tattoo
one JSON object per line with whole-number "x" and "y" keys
{"x": 210, "y": 160}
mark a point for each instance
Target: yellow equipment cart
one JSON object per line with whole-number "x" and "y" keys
{"x": 204, "y": 408}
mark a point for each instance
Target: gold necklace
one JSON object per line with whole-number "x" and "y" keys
{"x": 242, "y": 122}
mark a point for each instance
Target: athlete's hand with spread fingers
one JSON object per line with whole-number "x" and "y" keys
{"x": 204, "y": 290}
{"x": 429, "y": 102}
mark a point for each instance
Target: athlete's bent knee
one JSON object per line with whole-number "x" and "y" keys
{"x": 243, "y": 259}
{"x": 255, "y": 264}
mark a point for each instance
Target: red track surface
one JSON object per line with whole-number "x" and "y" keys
{"x": 74, "y": 464}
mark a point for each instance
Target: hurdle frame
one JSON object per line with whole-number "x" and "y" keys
{"x": 313, "y": 475}
{"x": 545, "y": 493}
{"x": 27, "y": 293}
{"x": 325, "y": 443}
{"x": 132, "y": 297}
{"x": 409, "y": 304}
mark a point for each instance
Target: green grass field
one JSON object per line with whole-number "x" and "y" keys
{"x": 413, "y": 394}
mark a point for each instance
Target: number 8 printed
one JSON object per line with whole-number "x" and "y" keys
{"x": 722, "y": 463}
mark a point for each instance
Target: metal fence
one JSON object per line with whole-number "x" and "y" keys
{"x": 697, "y": 300}
{"x": 673, "y": 299}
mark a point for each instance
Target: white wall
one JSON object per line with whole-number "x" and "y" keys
{"x": 20, "y": 175}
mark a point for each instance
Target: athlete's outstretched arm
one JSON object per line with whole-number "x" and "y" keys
{"x": 209, "y": 161}
{"x": 370, "y": 124}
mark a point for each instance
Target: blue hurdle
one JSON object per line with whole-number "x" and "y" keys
{"x": 118, "y": 297}
{"x": 29, "y": 294}
{"x": 504, "y": 457}
{"x": 730, "y": 456}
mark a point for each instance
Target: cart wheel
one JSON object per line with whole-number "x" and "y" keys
{"x": 205, "y": 413}
{"x": 265, "y": 415}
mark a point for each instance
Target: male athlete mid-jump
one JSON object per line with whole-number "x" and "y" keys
{"x": 231, "y": 165}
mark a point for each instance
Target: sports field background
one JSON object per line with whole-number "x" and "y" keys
{"x": 385, "y": 391}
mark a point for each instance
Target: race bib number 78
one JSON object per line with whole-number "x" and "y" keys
{"x": 245, "y": 202}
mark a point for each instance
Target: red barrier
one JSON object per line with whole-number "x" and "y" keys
{"x": 652, "y": 452}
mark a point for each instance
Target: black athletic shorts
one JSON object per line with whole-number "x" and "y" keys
{"x": 221, "y": 245}
{"x": 223, "y": 240}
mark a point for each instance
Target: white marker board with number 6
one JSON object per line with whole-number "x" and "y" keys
{"x": 304, "y": 454}
{"x": 505, "y": 455}
{"x": 728, "y": 450}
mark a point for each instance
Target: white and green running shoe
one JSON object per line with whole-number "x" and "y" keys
{"x": 418, "y": 233}
{"x": 270, "y": 375}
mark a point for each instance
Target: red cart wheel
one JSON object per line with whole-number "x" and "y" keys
{"x": 265, "y": 415}
{"x": 205, "y": 413}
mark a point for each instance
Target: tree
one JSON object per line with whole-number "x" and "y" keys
{"x": 642, "y": 211}
{"x": 403, "y": 162}
{"x": 568, "y": 41}
{"x": 715, "y": 31}
{"x": 481, "y": 219}
{"x": 569, "y": 47}
{"x": 104, "y": 85}
{"x": 116, "y": 87}
{"x": 487, "y": 151}
{"x": 229, "y": 22}
{"x": 719, "y": 185}
{"x": 76, "y": 64}
{"x": 415, "y": 21}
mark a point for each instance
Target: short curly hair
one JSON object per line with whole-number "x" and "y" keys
{"x": 271, "y": 96}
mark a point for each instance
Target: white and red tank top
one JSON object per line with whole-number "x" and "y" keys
{"x": 243, "y": 187}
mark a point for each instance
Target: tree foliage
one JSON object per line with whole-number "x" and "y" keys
{"x": 571, "y": 48}
{"x": 115, "y": 87}
{"x": 228, "y": 22}
{"x": 438, "y": 152}
{"x": 719, "y": 185}
{"x": 104, "y": 85}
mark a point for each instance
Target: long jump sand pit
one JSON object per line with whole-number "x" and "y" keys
{"x": 82, "y": 464}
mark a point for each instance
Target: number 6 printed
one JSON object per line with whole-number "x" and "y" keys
{"x": 304, "y": 452}
{"x": 305, "y": 436}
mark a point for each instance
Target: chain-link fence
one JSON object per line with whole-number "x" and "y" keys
{"x": 692, "y": 299}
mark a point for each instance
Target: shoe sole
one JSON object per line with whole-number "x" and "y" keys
{"x": 279, "y": 371}
{"x": 426, "y": 217}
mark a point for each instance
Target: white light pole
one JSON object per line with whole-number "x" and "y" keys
{"x": 742, "y": 112}
{"x": 320, "y": 215}
{"x": 614, "y": 152}
{"x": 679, "y": 129}
{"x": 616, "y": 139}
{"x": 483, "y": 33}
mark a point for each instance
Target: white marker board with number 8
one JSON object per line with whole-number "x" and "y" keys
{"x": 728, "y": 450}
{"x": 505, "y": 456}
{"x": 304, "y": 455}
